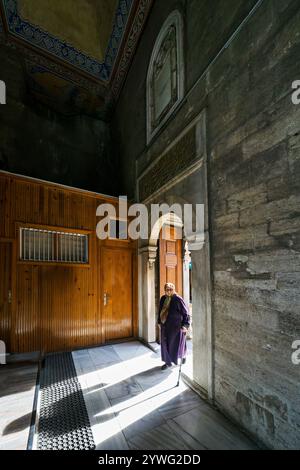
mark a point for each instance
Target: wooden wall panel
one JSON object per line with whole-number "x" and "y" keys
{"x": 5, "y": 292}
{"x": 5, "y": 228}
{"x": 117, "y": 275}
{"x": 56, "y": 307}
{"x": 26, "y": 326}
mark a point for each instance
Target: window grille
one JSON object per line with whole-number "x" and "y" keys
{"x": 52, "y": 246}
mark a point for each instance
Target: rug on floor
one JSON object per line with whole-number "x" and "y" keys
{"x": 63, "y": 419}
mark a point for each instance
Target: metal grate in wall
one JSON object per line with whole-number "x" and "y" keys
{"x": 53, "y": 246}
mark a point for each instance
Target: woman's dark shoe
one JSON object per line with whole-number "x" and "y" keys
{"x": 164, "y": 367}
{"x": 183, "y": 360}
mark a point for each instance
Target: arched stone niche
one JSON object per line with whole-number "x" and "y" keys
{"x": 165, "y": 78}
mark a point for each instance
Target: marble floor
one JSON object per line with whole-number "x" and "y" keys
{"x": 17, "y": 388}
{"x": 132, "y": 404}
{"x": 188, "y": 367}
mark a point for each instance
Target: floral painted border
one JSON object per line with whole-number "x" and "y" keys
{"x": 136, "y": 28}
{"x": 60, "y": 49}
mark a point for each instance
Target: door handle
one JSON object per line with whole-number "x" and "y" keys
{"x": 9, "y": 297}
{"x": 105, "y": 298}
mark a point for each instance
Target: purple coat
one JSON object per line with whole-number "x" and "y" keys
{"x": 173, "y": 344}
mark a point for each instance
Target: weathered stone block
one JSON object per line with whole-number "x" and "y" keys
{"x": 240, "y": 240}
{"x": 284, "y": 261}
{"x": 272, "y": 211}
{"x": 257, "y": 415}
{"x": 247, "y": 198}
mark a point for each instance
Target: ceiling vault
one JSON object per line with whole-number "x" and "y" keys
{"x": 75, "y": 60}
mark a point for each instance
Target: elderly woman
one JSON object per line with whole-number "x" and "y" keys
{"x": 174, "y": 321}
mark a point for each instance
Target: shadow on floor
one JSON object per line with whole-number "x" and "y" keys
{"x": 169, "y": 420}
{"x": 133, "y": 380}
{"x": 17, "y": 425}
{"x": 16, "y": 378}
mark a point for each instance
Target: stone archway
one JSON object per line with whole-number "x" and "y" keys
{"x": 189, "y": 186}
{"x": 199, "y": 248}
{"x": 147, "y": 259}
{"x": 166, "y": 219}
{"x": 201, "y": 288}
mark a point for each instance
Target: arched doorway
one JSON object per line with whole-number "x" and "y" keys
{"x": 190, "y": 190}
{"x": 170, "y": 258}
{"x": 171, "y": 262}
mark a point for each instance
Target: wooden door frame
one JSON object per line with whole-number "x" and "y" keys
{"x": 13, "y": 264}
{"x": 179, "y": 255}
{"x": 131, "y": 247}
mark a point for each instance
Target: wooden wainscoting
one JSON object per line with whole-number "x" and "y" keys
{"x": 6, "y": 256}
{"x": 57, "y": 306}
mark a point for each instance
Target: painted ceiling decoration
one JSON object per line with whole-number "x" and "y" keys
{"x": 89, "y": 46}
{"x": 35, "y": 36}
{"x": 94, "y": 22}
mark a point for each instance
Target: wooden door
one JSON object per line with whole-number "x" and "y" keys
{"x": 117, "y": 293}
{"x": 170, "y": 256}
{"x": 6, "y": 293}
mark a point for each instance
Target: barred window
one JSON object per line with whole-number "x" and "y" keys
{"x": 52, "y": 246}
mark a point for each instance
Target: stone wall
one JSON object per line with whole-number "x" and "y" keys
{"x": 38, "y": 142}
{"x": 208, "y": 25}
{"x": 253, "y": 150}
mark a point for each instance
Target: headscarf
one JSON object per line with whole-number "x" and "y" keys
{"x": 165, "y": 308}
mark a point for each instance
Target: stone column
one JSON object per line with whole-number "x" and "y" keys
{"x": 147, "y": 307}
{"x": 186, "y": 274}
{"x": 202, "y": 321}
